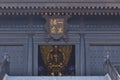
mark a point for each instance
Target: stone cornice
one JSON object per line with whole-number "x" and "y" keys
{"x": 83, "y": 5}
{"x": 61, "y": 12}
{"x": 58, "y": 1}
{"x": 52, "y": 7}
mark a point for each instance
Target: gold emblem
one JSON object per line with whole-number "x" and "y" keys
{"x": 56, "y": 26}
{"x": 56, "y": 58}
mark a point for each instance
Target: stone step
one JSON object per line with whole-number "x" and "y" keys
{"x": 55, "y": 78}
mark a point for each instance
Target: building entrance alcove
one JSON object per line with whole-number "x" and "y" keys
{"x": 56, "y": 60}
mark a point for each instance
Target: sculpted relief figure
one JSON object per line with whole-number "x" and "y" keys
{"x": 55, "y": 61}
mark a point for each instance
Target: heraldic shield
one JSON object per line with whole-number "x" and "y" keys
{"x": 56, "y": 58}
{"x": 56, "y": 27}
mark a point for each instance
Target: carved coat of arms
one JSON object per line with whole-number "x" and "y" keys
{"x": 56, "y": 27}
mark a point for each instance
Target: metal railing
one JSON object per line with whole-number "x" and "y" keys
{"x": 4, "y": 68}
{"x": 112, "y": 71}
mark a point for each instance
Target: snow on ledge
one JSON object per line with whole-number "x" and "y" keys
{"x": 107, "y": 77}
{"x": 5, "y": 77}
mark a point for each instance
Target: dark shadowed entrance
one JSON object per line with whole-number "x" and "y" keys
{"x": 56, "y": 60}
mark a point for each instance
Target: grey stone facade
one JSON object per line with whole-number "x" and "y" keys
{"x": 93, "y": 28}
{"x": 93, "y": 37}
